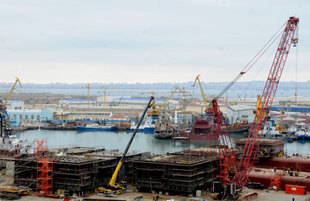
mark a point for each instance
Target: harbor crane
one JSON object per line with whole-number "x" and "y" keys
{"x": 175, "y": 90}
{"x": 88, "y": 92}
{"x": 105, "y": 93}
{"x": 17, "y": 81}
{"x": 234, "y": 179}
{"x": 88, "y": 87}
{"x": 155, "y": 111}
{"x": 113, "y": 188}
{"x": 202, "y": 93}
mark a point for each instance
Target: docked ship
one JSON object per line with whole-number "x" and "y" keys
{"x": 10, "y": 145}
{"x": 201, "y": 130}
{"x": 97, "y": 127}
{"x": 146, "y": 127}
{"x": 240, "y": 127}
{"x": 164, "y": 128}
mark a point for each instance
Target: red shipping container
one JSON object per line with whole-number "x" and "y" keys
{"x": 293, "y": 189}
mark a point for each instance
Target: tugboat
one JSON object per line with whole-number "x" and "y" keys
{"x": 164, "y": 128}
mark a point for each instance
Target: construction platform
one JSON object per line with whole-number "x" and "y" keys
{"x": 80, "y": 173}
{"x": 176, "y": 173}
{"x": 268, "y": 148}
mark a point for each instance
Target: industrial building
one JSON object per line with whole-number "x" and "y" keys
{"x": 18, "y": 116}
{"x": 236, "y": 113}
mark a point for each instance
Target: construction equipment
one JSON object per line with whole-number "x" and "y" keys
{"x": 155, "y": 111}
{"x": 241, "y": 101}
{"x": 202, "y": 93}
{"x": 88, "y": 92}
{"x": 116, "y": 189}
{"x": 234, "y": 179}
{"x": 176, "y": 88}
{"x": 11, "y": 92}
{"x": 12, "y": 193}
{"x": 88, "y": 87}
{"x": 105, "y": 94}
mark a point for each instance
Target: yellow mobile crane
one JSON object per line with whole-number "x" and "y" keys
{"x": 202, "y": 93}
{"x": 11, "y": 92}
{"x": 116, "y": 189}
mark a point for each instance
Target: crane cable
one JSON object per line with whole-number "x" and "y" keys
{"x": 296, "y": 78}
{"x": 263, "y": 67}
{"x": 251, "y": 63}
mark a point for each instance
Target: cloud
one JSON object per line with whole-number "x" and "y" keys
{"x": 156, "y": 38}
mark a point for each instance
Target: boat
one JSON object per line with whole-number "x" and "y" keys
{"x": 201, "y": 130}
{"x": 146, "y": 127}
{"x": 240, "y": 127}
{"x": 164, "y": 128}
{"x": 96, "y": 127}
{"x": 271, "y": 133}
{"x": 301, "y": 135}
{"x": 163, "y": 134}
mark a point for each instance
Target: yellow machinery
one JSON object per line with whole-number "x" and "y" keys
{"x": 116, "y": 189}
{"x": 105, "y": 94}
{"x": 202, "y": 93}
{"x": 11, "y": 92}
{"x": 155, "y": 111}
{"x": 280, "y": 126}
{"x": 176, "y": 88}
{"x": 88, "y": 92}
{"x": 13, "y": 193}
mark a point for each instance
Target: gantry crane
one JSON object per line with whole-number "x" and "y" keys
{"x": 235, "y": 179}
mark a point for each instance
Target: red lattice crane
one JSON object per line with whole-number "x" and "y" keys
{"x": 227, "y": 171}
{"x": 266, "y": 100}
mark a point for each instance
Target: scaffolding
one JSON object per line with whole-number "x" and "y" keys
{"x": 79, "y": 171}
{"x": 40, "y": 147}
{"x": 175, "y": 173}
{"x": 44, "y": 177}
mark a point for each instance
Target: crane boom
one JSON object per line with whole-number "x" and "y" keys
{"x": 112, "y": 187}
{"x": 201, "y": 90}
{"x": 176, "y": 88}
{"x": 266, "y": 100}
{"x": 14, "y": 85}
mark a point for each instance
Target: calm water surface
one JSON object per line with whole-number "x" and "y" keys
{"x": 142, "y": 142}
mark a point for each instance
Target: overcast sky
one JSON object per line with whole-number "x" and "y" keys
{"x": 71, "y": 41}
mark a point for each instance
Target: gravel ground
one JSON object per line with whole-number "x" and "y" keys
{"x": 263, "y": 195}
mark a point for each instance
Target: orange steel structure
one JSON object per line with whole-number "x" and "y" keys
{"x": 40, "y": 147}
{"x": 44, "y": 177}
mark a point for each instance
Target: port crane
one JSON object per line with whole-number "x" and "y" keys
{"x": 201, "y": 90}
{"x": 176, "y": 89}
{"x": 17, "y": 81}
{"x": 155, "y": 111}
{"x": 234, "y": 179}
{"x": 113, "y": 188}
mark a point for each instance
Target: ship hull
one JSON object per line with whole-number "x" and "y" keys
{"x": 81, "y": 128}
